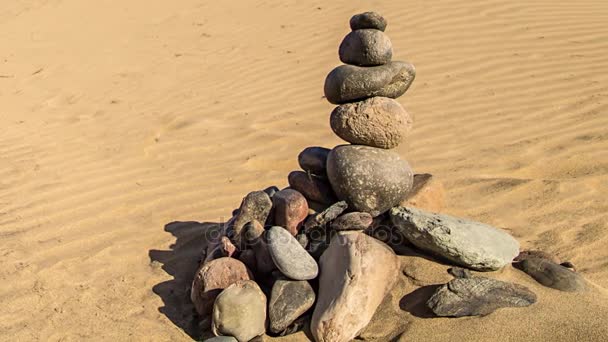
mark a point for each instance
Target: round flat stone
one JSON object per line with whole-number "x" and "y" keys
{"x": 289, "y": 256}
{"x": 368, "y": 20}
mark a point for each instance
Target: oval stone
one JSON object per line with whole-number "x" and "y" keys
{"x": 312, "y": 187}
{"x": 348, "y": 83}
{"x": 369, "y": 179}
{"x": 313, "y": 159}
{"x": 289, "y": 300}
{"x": 240, "y": 311}
{"x": 368, "y": 20}
{"x": 212, "y": 278}
{"x": 366, "y": 47}
{"x": 377, "y": 122}
{"x": 290, "y": 209}
{"x": 289, "y": 256}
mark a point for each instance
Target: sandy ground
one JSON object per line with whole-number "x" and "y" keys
{"x": 121, "y": 117}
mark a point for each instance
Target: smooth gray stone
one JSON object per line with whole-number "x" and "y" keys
{"x": 368, "y": 20}
{"x": 349, "y": 83}
{"x": 377, "y": 122}
{"x": 468, "y": 243}
{"x": 366, "y": 47}
{"x": 313, "y": 160}
{"x": 289, "y": 300}
{"x": 551, "y": 274}
{"x": 369, "y": 179}
{"x": 289, "y": 256}
{"x": 478, "y": 296}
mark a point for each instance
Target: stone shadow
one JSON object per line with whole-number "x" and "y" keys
{"x": 415, "y": 302}
{"x": 181, "y": 262}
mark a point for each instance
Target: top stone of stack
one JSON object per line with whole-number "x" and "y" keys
{"x": 367, "y": 20}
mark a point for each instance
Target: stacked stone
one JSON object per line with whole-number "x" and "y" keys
{"x": 310, "y": 254}
{"x": 367, "y": 174}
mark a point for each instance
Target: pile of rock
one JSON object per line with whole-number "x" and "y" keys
{"x": 321, "y": 253}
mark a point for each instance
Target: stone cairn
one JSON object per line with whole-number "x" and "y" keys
{"x": 320, "y": 255}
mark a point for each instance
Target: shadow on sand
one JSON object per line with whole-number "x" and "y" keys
{"x": 181, "y": 262}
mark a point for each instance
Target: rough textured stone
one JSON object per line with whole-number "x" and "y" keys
{"x": 290, "y": 209}
{"x": 352, "y": 221}
{"x": 367, "y": 20}
{"x": 427, "y": 194}
{"x": 240, "y": 311}
{"x": 212, "y": 278}
{"x": 224, "y": 248}
{"x": 464, "y": 242}
{"x": 366, "y": 47}
{"x": 322, "y": 219}
{"x": 369, "y": 179}
{"x": 312, "y": 187}
{"x": 289, "y": 256}
{"x": 459, "y": 272}
{"x": 478, "y": 296}
{"x": 349, "y": 83}
{"x": 357, "y": 272}
{"x": 377, "y": 122}
{"x": 255, "y": 206}
{"x": 313, "y": 159}
{"x": 289, "y": 300}
{"x": 551, "y": 274}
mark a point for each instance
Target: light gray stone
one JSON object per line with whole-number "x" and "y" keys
{"x": 240, "y": 311}
{"x": 349, "y": 83}
{"x": 478, "y": 296}
{"x": 289, "y": 256}
{"x": 377, "y": 122}
{"x": 366, "y": 47}
{"x": 357, "y": 272}
{"x": 369, "y": 179}
{"x": 468, "y": 243}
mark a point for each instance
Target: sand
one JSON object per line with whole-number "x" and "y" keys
{"x": 124, "y": 123}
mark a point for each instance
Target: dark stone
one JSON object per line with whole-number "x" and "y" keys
{"x": 551, "y": 274}
{"x": 271, "y": 190}
{"x": 369, "y": 179}
{"x": 313, "y": 160}
{"x": 312, "y": 187}
{"x": 289, "y": 300}
{"x": 255, "y": 206}
{"x": 459, "y": 272}
{"x": 321, "y": 220}
{"x": 478, "y": 296}
{"x": 536, "y": 254}
{"x": 378, "y": 122}
{"x": 349, "y": 83}
{"x": 366, "y": 47}
{"x": 352, "y": 221}
{"x": 367, "y": 20}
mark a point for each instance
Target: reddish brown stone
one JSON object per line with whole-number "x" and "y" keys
{"x": 212, "y": 278}
{"x": 427, "y": 193}
{"x": 290, "y": 208}
{"x": 312, "y": 187}
{"x": 223, "y": 248}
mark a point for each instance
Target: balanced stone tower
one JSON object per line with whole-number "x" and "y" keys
{"x": 367, "y": 174}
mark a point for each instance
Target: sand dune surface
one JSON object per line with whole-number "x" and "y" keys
{"x": 130, "y": 126}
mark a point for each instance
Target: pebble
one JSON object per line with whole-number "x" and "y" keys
{"x": 289, "y": 256}
{"x": 289, "y": 300}
{"x": 552, "y": 275}
{"x": 366, "y": 47}
{"x": 290, "y": 209}
{"x": 313, "y": 160}
{"x": 367, "y": 20}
